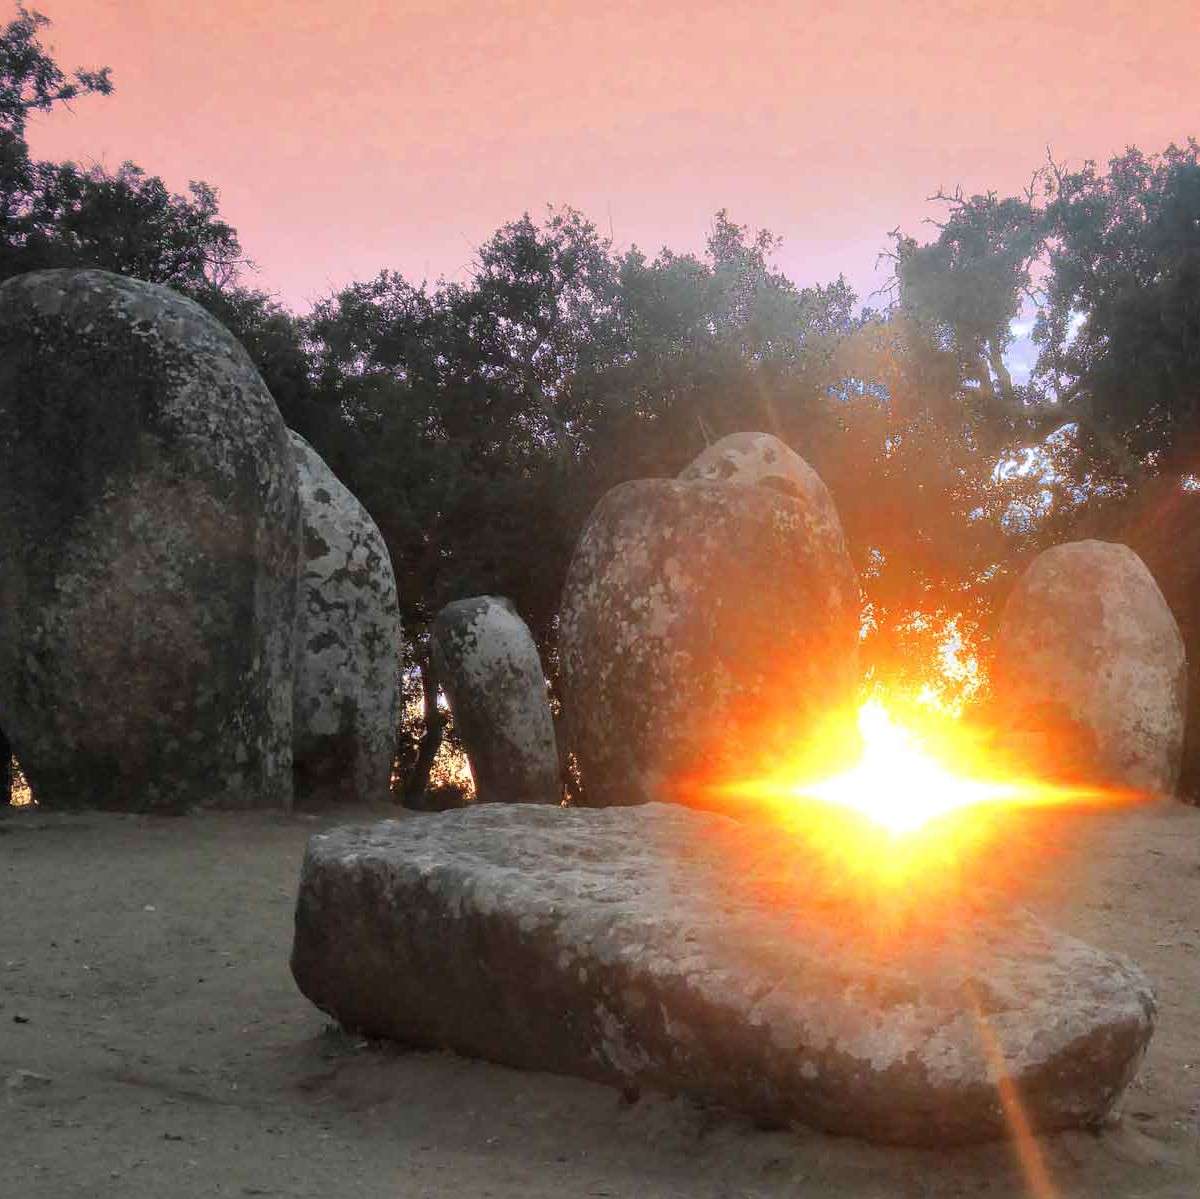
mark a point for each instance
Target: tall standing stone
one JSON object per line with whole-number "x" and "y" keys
{"x": 488, "y": 664}
{"x": 1087, "y": 649}
{"x": 705, "y": 628}
{"x": 347, "y": 700}
{"x": 149, "y": 539}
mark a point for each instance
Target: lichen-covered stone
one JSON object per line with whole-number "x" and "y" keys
{"x": 347, "y": 697}
{"x": 149, "y": 539}
{"x": 761, "y": 460}
{"x": 1088, "y": 648}
{"x": 486, "y": 660}
{"x": 654, "y": 947}
{"x": 705, "y": 628}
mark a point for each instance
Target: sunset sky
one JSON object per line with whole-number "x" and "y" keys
{"x": 344, "y": 138}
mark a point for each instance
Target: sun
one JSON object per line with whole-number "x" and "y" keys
{"x": 884, "y": 795}
{"x": 897, "y": 783}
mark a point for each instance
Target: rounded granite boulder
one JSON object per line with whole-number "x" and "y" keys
{"x": 705, "y": 629}
{"x": 1089, "y": 654}
{"x": 149, "y": 540}
{"x": 488, "y": 664}
{"x": 347, "y": 698}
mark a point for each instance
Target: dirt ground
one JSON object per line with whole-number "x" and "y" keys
{"x": 152, "y": 1043}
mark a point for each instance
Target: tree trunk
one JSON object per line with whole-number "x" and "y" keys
{"x": 5, "y": 770}
{"x": 417, "y": 782}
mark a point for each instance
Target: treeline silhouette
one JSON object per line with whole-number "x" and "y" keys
{"x": 480, "y": 421}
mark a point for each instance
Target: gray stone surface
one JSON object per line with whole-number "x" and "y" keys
{"x": 668, "y": 948}
{"x": 704, "y": 627}
{"x": 1088, "y": 646}
{"x": 488, "y": 664}
{"x": 347, "y": 697}
{"x": 762, "y": 460}
{"x": 149, "y": 539}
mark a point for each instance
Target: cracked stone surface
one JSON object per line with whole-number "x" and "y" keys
{"x": 486, "y": 660}
{"x": 703, "y": 626}
{"x": 655, "y": 946}
{"x": 1088, "y": 646}
{"x": 148, "y": 550}
{"x": 347, "y": 697}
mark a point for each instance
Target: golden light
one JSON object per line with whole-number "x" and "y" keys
{"x": 906, "y": 799}
{"x": 896, "y": 783}
{"x": 907, "y": 776}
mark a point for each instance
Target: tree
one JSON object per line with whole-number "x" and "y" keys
{"x": 1119, "y": 330}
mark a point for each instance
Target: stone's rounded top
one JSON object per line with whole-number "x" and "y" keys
{"x": 473, "y": 605}
{"x": 1104, "y": 582}
{"x": 1083, "y": 563}
{"x": 760, "y": 459}
{"x": 483, "y": 637}
{"x": 92, "y": 301}
{"x": 694, "y": 522}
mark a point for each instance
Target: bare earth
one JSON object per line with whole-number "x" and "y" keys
{"x": 143, "y": 973}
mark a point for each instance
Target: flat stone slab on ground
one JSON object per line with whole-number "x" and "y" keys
{"x": 650, "y": 946}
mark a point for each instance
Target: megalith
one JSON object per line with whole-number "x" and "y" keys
{"x": 149, "y": 541}
{"x": 347, "y": 694}
{"x": 687, "y": 952}
{"x": 706, "y": 629}
{"x": 486, "y": 661}
{"x": 1088, "y": 651}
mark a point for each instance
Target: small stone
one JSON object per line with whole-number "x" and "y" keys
{"x": 485, "y": 658}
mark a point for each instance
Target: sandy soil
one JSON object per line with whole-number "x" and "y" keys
{"x": 144, "y": 982}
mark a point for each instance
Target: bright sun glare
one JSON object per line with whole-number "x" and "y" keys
{"x": 914, "y": 781}
{"x": 897, "y": 783}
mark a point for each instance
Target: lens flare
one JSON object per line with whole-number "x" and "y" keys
{"x": 903, "y": 811}
{"x": 896, "y": 783}
{"x": 906, "y": 778}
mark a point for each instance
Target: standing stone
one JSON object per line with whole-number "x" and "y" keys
{"x": 705, "y": 630}
{"x": 347, "y": 700}
{"x": 149, "y": 540}
{"x": 487, "y": 662}
{"x": 684, "y": 951}
{"x": 1088, "y": 650}
{"x": 762, "y": 460}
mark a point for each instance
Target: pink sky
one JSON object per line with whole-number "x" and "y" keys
{"x": 347, "y": 138}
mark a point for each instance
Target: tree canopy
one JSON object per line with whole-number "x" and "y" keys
{"x": 479, "y": 421}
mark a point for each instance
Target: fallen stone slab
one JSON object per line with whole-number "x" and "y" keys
{"x": 636, "y": 946}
